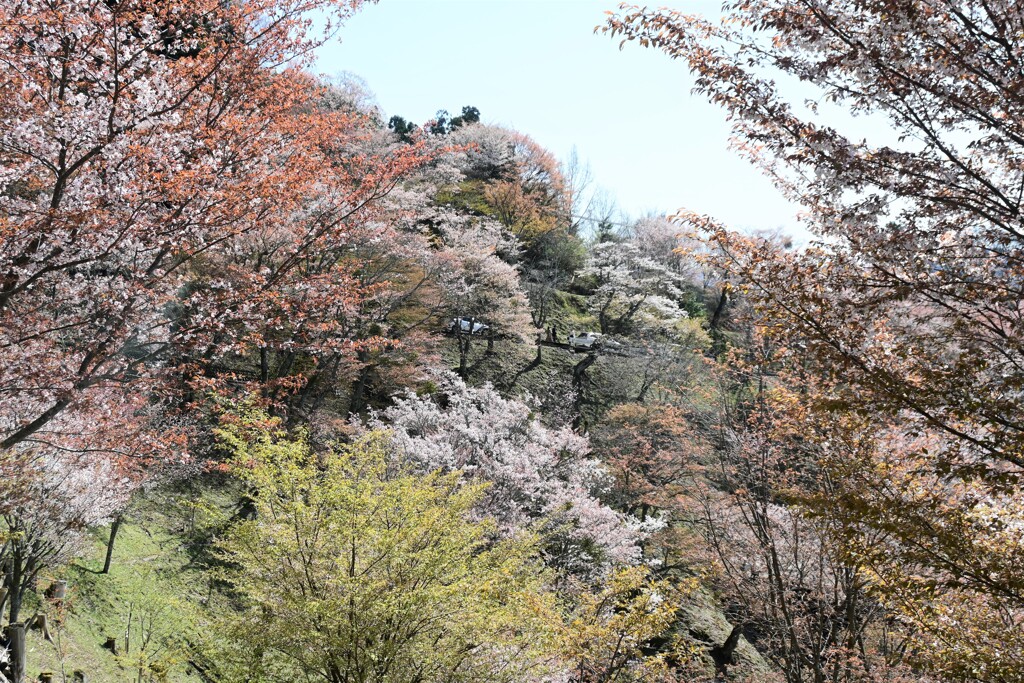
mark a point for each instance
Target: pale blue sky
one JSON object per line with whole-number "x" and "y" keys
{"x": 537, "y": 66}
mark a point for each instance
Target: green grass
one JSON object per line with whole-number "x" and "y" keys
{"x": 157, "y": 571}
{"x": 570, "y": 312}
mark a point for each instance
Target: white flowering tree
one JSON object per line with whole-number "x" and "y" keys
{"x": 483, "y": 151}
{"x": 477, "y": 283}
{"x": 535, "y": 473}
{"x": 66, "y": 493}
{"x": 659, "y": 238}
{"x": 632, "y": 288}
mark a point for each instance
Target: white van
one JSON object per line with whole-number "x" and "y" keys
{"x": 464, "y": 325}
{"x": 584, "y": 340}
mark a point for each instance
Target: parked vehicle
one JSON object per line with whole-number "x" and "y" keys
{"x": 467, "y": 326}
{"x": 584, "y": 340}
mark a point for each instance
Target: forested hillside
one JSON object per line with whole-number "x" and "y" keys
{"x": 292, "y": 389}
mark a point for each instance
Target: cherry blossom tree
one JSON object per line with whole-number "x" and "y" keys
{"x": 534, "y": 472}
{"x": 67, "y": 493}
{"x": 632, "y": 289}
{"x": 175, "y": 197}
{"x": 484, "y": 152}
{"x": 663, "y": 240}
{"x": 165, "y": 183}
{"x": 477, "y": 284}
{"x": 652, "y": 452}
{"x": 780, "y": 569}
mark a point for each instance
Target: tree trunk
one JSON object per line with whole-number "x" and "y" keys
{"x": 359, "y": 387}
{"x": 464, "y": 343}
{"x": 40, "y": 622}
{"x": 264, "y": 365}
{"x": 14, "y": 581}
{"x": 16, "y": 636}
{"x": 579, "y": 370}
{"x": 716, "y": 317}
{"x": 714, "y": 327}
{"x": 286, "y": 365}
{"x": 602, "y": 316}
{"x": 110, "y": 544}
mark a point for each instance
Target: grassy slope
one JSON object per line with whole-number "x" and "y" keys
{"x": 512, "y": 367}
{"x": 155, "y": 570}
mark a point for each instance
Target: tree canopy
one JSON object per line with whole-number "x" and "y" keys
{"x": 353, "y": 570}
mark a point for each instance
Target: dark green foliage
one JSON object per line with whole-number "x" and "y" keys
{"x": 443, "y": 123}
{"x": 469, "y": 115}
{"x": 606, "y": 232}
{"x": 402, "y": 128}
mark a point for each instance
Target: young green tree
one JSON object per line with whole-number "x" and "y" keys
{"x": 353, "y": 570}
{"x": 155, "y": 626}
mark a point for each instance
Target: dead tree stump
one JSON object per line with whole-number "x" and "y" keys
{"x": 39, "y": 621}
{"x": 57, "y": 591}
{"x": 16, "y": 637}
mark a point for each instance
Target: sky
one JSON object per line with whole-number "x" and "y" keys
{"x": 538, "y": 67}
